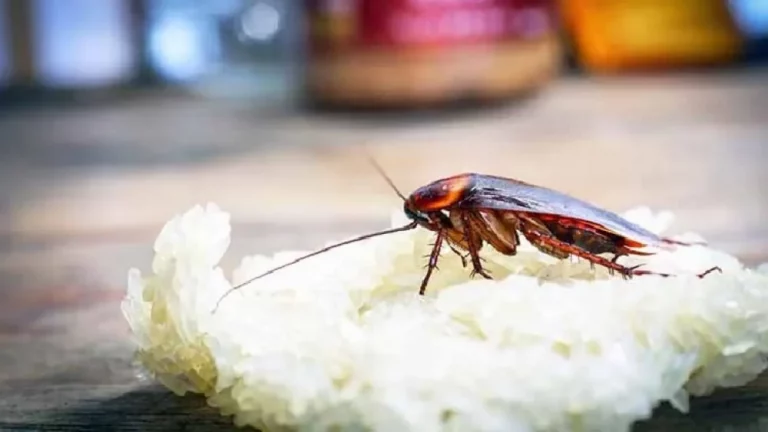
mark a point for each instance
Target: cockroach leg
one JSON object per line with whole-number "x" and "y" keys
{"x": 715, "y": 268}
{"x": 551, "y": 242}
{"x": 624, "y": 251}
{"x": 482, "y": 272}
{"x": 529, "y": 226}
{"x": 458, "y": 242}
{"x": 681, "y": 243}
{"x": 700, "y": 275}
{"x": 431, "y": 251}
{"x": 461, "y": 256}
{"x": 474, "y": 243}
{"x": 432, "y": 264}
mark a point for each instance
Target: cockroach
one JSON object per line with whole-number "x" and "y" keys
{"x": 469, "y": 210}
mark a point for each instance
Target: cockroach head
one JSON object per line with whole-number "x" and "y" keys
{"x": 415, "y": 215}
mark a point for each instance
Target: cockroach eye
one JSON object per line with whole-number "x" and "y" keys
{"x": 414, "y": 214}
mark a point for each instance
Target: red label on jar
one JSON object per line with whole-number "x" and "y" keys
{"x": 434, "y": 22}
{"x": 430, "y": 22}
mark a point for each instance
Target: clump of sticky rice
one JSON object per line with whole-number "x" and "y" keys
{"x": 344, "y": 341}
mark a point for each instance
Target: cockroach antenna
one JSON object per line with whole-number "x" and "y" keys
{"x": 408, "y": 227}
{"x": 384, "y": 175}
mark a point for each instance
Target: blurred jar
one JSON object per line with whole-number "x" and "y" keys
{"x": 234, "y": 49}
{"x": 413, "y": 53}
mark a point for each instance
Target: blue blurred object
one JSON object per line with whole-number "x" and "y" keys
{"x": 242, "y": 49}
{"x": 83, "y": 43}
{"x": 5, "y": 48}
{"x": 182, "y": 40}
{"x": 752, "y": 18}
{"x": 182, "y": 47}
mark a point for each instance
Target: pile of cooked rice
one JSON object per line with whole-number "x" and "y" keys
{"x": 344, "y": 341}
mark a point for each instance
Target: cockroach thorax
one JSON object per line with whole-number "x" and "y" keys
{"x": 441, "y": 193}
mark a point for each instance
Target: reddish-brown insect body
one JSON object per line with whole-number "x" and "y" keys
{"x": 468, "y": 211}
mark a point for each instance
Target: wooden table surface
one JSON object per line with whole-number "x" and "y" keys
{"x": 84, "y": 191}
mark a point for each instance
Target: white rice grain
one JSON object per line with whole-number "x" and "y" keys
{"x": 344, "y": 341}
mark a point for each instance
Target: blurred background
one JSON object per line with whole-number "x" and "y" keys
{"x": 116, "y": 115}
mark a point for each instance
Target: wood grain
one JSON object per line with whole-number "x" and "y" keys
{"x": 84, "y": 191}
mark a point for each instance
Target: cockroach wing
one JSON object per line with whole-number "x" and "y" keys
{"x": 500, "y": 193}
